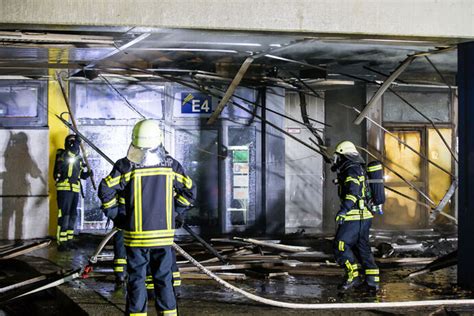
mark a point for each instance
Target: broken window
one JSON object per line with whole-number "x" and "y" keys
{"x": 23, "y": 103}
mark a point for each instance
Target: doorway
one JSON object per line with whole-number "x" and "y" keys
{"x": 402, "y": 212}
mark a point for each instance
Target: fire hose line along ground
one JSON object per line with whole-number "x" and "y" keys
{"x": 320, "y": 306}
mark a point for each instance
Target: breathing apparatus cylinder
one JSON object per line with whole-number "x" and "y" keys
{"x": 376, "y": 183}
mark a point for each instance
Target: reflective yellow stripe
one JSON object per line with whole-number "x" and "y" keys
{"x": 118, "y": 269}
{"x": 181, "y": 199}
{"x": 341, "y": 245}
{"x": 136, "y": 173}
{"x": 137, "y": 314}
{"x": 351, "y": 197}
{"x": 176, "y": 274}
{"x": 115, "y": 181}
{"x": 168, "y": 202}
{"x": 188, "y": 183}
{"x": 121, "y": 200}
{"x": 61, "y": 236}
{"x": 356, "y": 215}
{"x": 169, "y": 312}
{"x": 150, "y": 286}
{"x": 377, "y": 279}
{"x": 148, "y": 243}
{"x": 120, "y": 261}
{"x": 148, "y": 278}
{"x": 374, "y": 168}
{"x": 110, "y": 203}
{"x": 351, "y": 179}
{"x": 177, "y": 283}
{"x": 140, "y": 210}
{"x": 350, "y": 274}
{"x": 152, "y": 172}
{"x": 138, "y": 205}
{"x": 68, "y": 187}
{"x": 149, "y": 233}
{"x": 372, "y": 271}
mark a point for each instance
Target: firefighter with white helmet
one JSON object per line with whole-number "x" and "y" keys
{"x": 351, "y": 244}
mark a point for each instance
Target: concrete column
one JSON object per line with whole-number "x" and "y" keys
{"x": 342, "y": 121}
{"x": 466, "y": 165}
{"x": 274, "y": 165}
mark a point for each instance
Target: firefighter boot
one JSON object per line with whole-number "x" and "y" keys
{"x": 372, "y": 280}
{"x": 353, "y": 279}
{"x": 350, "y": 284}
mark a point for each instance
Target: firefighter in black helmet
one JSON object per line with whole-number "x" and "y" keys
{"x": 150, "y": 181}
{"x": 69, "y": 169}
{"x": 351, "y": 244}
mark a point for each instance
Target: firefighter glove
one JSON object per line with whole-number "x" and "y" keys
{"x": 340, "y": 218}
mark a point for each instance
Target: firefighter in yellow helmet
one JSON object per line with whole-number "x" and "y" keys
{"x": 149, "y": 181}
{"x": 353, "y": 220}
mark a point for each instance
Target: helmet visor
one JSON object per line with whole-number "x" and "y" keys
{"x": 146, "y": 157}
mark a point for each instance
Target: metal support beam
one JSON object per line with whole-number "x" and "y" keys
{"x": 240, "y": 75}
{"x": 230, "y": 91}
{"x": 395, "y": 74}
{"x": 376, "y": 97}
{"x": 466, "y": 167}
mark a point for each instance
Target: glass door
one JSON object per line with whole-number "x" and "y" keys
{"x": 400, "y": 212}
{"x": 197, "y": 151}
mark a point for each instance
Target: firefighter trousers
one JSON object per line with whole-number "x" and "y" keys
{"x": 120, "y": 256}
{"x": 160, "y": 261}
{"x": 175, "y": 274}
{"x": 67, "y": 215}
{"x": 351, "y": 248}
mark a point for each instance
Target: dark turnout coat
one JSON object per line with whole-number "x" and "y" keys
{"x": 149, "y": 195}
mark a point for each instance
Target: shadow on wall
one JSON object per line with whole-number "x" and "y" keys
{"x": 16, "y": 188}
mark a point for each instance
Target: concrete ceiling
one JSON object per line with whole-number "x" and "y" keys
{"x": 32, "y": 53}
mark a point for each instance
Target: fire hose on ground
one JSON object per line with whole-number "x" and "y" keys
{"x": 321, "y": 306}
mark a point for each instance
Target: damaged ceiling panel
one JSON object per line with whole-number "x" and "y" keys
{"x": 221, "y": 53}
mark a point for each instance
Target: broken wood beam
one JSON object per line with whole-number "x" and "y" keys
{"x": 224, "y": 276}
{"x": 21, "y": 250}
{"x": 282, "y": 247}
{"x": 229, "y": 267}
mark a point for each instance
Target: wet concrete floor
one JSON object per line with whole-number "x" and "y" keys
{"x": 205, "y": 297}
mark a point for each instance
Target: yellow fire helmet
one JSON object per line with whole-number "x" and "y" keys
{"x": 346, "y": 148}
{"x": 147, "y": 134}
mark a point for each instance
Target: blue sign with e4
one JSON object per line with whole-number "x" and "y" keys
{"x": 195, "y": 103}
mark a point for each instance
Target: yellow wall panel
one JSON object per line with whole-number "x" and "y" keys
{"x": 57, "y": 133}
